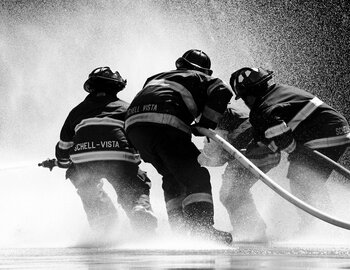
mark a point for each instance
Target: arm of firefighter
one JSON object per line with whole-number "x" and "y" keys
{"x": 62, "y": 154}
{"x": 218, "y": 96}
{"x": 65, "y": 144}
{"x": 280, "y": 137}
{"x": 262, "y": 156}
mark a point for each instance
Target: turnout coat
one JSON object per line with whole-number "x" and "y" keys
{"x": 80, "y": 140}
{"x": 179, "y": 97}
{"x": 286, "y": 115}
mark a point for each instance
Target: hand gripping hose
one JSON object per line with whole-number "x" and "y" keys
{"x": 270, "y": 183}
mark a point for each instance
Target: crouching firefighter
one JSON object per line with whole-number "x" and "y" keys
{"x": 237, "y": 181}
{"x": 290, "y": 119}
{"x": 93, "y": 146}
{"x": 158, "y": 124}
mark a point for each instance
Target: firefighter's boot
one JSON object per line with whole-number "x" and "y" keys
{"x": 175, "y": 213}
{"x": 200, "y": 221}
{"x": 177, "y": 221}
{"x": 99, "y": 208}
{"x": 142, "y": 216}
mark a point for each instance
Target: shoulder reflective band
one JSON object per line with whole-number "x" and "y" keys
{"x": 185, "y": 94}
{"x": 304, "y": 112}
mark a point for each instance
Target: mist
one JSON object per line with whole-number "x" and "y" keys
{"x": 47, "y": 50}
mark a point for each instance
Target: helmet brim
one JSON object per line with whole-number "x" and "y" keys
{"x": 266, "y": 76}
{"x": 183, "y": 63}
{"x": 93, "y": 80}
{"x": 86, "y": 86}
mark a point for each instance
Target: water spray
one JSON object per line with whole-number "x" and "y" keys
{"x": 270, "y": 183}
{"x": 17, "y": 166}
{"x": 48, "y": 163}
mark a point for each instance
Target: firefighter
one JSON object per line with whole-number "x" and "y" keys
{"x": 158, "y": 124}
{"x": 289, "y": 119}
{"x": 237, "y": 181}
{"x": 93, "y": 146}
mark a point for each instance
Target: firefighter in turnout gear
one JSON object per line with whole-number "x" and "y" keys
{"x": 289, "y": 119}
{"x": 93, "y": 146}
{"x": 237, "y": 181}
{"x": 158, "y": 124}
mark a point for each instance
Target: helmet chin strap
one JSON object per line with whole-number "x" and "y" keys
{"x": 101, "y": 94}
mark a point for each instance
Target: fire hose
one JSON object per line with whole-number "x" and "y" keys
{"x": 270, "y": 183}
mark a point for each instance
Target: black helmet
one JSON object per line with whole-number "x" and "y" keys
{"x": 103, "y": 79}
{"x": 195, "y": 59}
{"x": 244, "y": 80}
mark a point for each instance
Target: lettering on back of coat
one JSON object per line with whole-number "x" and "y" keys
{"x": 92, "y": 145}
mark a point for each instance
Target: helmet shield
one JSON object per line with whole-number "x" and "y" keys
{"x": 244, "y": 80}
{"x": 196, "y": 60}
{"x": 104, "y": 79}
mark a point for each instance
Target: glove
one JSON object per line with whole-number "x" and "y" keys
{"x": 262, "y": 156}
{"x": 215, "y": 160}
{"x": 142, "y": 175}
{"x": 195, "y": 131}
{"x": 64, "y": 164}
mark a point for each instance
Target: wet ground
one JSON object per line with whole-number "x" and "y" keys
{"x": 239, "y": 256}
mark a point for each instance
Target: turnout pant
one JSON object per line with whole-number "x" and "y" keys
{"x": 308, "y": 175}
{"x": 237, "y": 181}
{"x": 236, "y": 196}
{"x": 186, "y": 184}
{"x": 123, "y": 176}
